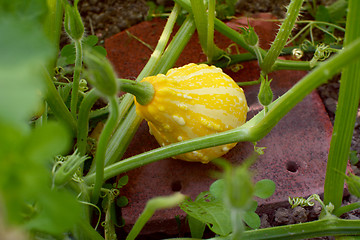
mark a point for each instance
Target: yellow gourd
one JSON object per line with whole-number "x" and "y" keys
{"x": 193, "y": 101}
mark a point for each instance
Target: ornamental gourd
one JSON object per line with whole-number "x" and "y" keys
{"x": 193, "y": 101}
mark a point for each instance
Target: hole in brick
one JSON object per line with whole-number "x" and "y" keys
{"x": 176, "y": 186}
{"x": 292, "y": 166}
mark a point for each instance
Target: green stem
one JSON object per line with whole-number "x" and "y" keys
{"x": 124, "y": 134}
{"x": 199, "y": 12}
{"x": 347, "y": 208}
{"x": 258, "y": 54}
{"x": 253, "y": 130}
{"x": 210, "y": 30}
{"x": 237, "y": 221}
{"x": 101, "y": 147}
{"x": 346, "y": 112}
{"x": 52, "y": 27}
{"x": 88, "y": 231}
{"x": 143, "y": 91}
{"x": 57, "y": 105}
{"x": 83, "y": 120}
{"x": 278, "y": 65}
{"x": 221, "y": 28}
{"x": 292, "y": 65}
{"x": 282, "y": 36}
{"x": 151, "y": 206}
{"x": 319, "y": 228}
{"x": 239, "y": 134}
{"x": 176, "y": 46}
{"x": 160, "y": 47}
{"x": 76, "y": 78}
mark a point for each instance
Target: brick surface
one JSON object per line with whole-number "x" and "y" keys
{"x": 296, "y": 149}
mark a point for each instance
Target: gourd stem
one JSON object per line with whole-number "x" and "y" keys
{"x": 143, "y": 91}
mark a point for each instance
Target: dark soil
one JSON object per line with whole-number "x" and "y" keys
{"x": 108, "y": 17}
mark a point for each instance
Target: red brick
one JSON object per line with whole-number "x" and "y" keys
{"x": 296, "y": 149}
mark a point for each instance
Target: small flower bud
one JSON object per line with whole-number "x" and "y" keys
{"x": 83, "y": 85}
{"x": 73, "y": 24}
{"x": 250, "y": 36}
{"x": 265, "y": 95}
{"x": 100, "y": 73}
{"x": 68, "y": 168}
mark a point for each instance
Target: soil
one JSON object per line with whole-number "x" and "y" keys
{"x": 108, "y": 17}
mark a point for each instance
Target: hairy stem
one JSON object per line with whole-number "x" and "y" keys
{"x": 349, "y": 95}
{"x": 282, "y": 36}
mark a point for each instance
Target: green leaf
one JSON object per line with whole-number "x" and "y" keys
{"x": 353, "y": 157}
{"x": 100, "y": 50}
{"x": 122, "y": 201}
{"x": 264, "y": 188}
{"x": 30, "y": 10}
{"x": 59, "y": 212}
{"x": 217, "y": 189}
{"x": 122, "y": 181}
{"x": 322, "y": 14}
{"x": 64, "y": 92}
{"x": 197, "y": 227}
{"x": 24, "y": 50}
{"x": 68, "y": 54}
{"x": 47, "y": 141}
{"x": 211, "y": 212}
{"x": 91, "y": 40}
{"x": 252, "y": 219}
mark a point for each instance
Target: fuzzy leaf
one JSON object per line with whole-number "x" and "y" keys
{"x": 122, "y": 201}
{"x": 122, "y": 181}
{"x": 197, "y": 227}
{"x": 21, "y": 62}
{"x": 68, "y": 54}
{"x": 213, "y": 213}
{"x": 47, "y": 141}
{"x": 217, "y": 189}
{"x": 252, "y": 220}
{"x": 264, "y": 188}
{"x": 55, "y": 217}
